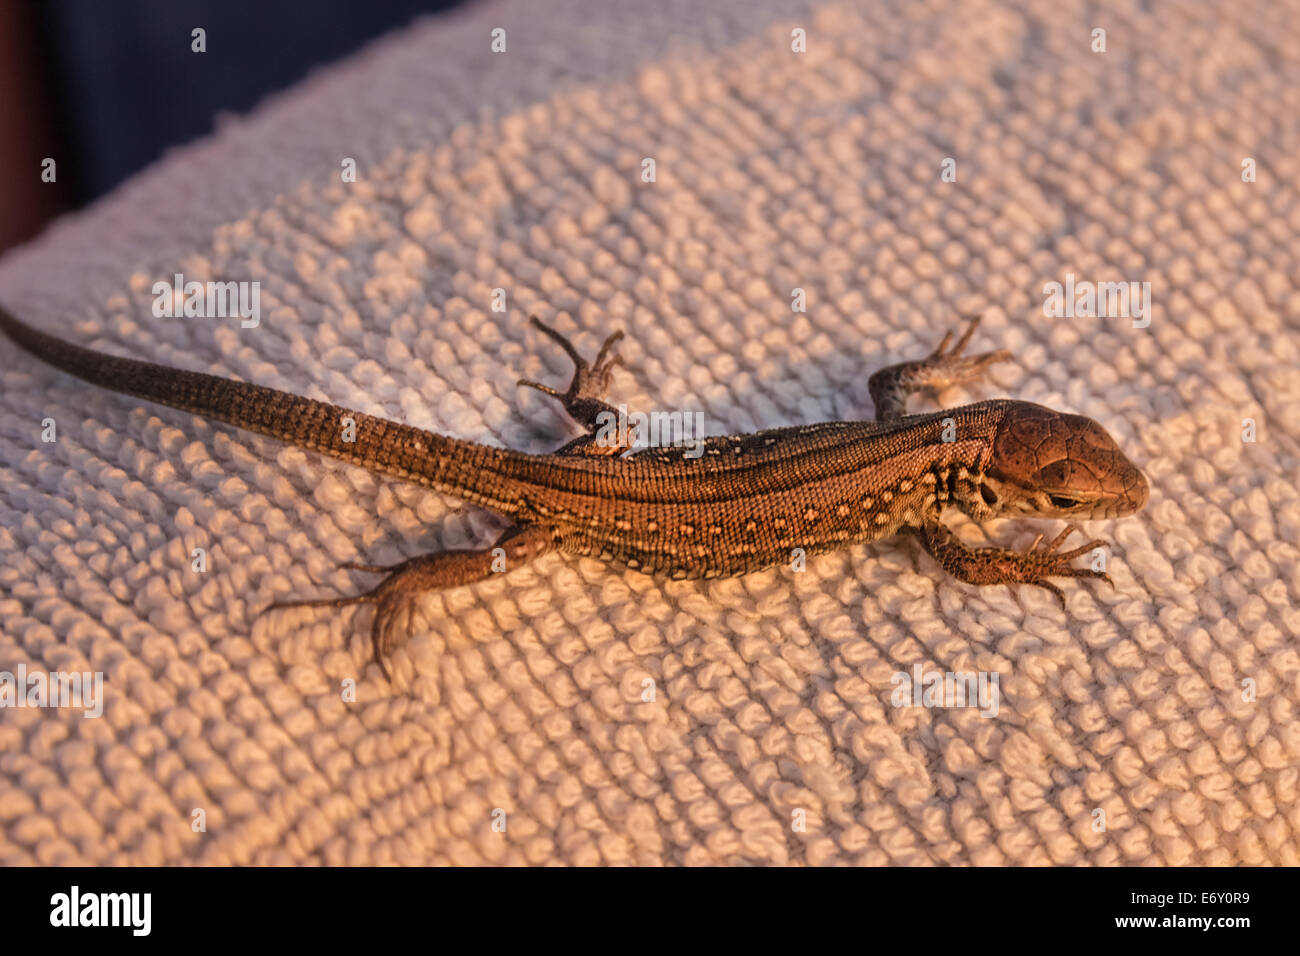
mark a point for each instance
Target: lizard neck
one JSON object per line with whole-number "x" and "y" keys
{"x": 963, "y": 487}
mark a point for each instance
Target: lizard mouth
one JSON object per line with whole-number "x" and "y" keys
{"x": 1122, "y": 489}
{"x": 1013, "y": 498}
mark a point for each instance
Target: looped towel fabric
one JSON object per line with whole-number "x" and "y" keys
{"x": 888, "y": 167}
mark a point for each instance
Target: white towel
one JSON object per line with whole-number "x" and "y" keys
{"x": 572, "y": 712}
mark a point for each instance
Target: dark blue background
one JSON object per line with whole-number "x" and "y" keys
{"x": 124, "y": 84}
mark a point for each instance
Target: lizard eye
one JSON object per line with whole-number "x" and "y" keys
{"x": 989, "y": 495}
{"x": 1060, "y": 501}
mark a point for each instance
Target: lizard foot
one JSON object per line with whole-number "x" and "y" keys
{"x": 943, "y": 367}
{"x": 1037, "y": 563}
{"x": 583, "y": 399}
{"x": 1033, "y": 566}
{"x": 392, "y": 596}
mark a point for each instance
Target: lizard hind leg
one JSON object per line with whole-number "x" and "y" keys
{"x": 396, "y": 596}
{"x": 584, "y": 399}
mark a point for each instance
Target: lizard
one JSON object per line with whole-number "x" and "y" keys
{"x": 746, "y": 503}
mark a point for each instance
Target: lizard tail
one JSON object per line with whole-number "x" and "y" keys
{"x": 476, "y": 473}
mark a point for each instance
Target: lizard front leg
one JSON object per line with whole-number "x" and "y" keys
{"x": 1006, "y": 566}
{"x": 890, "y": 388}
{"x": 584, "y": 399}
{"x": 406, "y": 581}
{"x": 891, "y": 385}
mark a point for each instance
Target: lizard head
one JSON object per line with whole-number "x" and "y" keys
{"x": 1052, "y": 465}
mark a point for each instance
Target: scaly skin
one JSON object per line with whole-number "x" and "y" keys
{"x": 745, "y": 504}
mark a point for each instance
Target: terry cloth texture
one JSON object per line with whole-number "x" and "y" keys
{"x": 606, "y": 717}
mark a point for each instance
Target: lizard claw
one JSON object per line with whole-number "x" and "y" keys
{"x": 1037, "y": 564}
{"x": 941, "y": 351}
